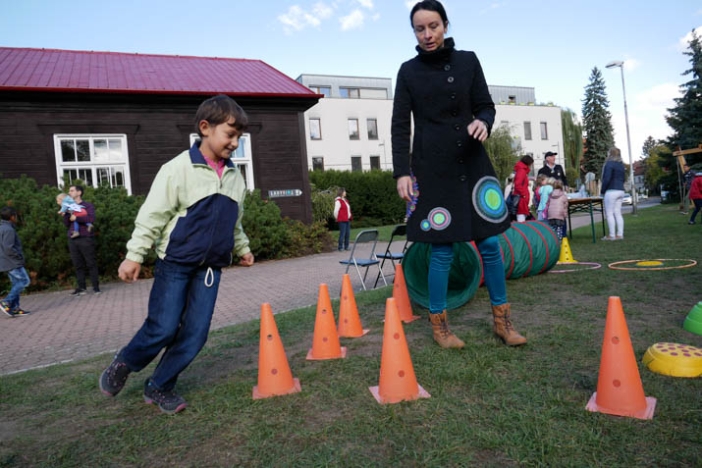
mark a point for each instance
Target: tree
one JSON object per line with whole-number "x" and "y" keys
{"x": 686, "y": 117}
{"x": 597, "y": 123}
{"x": 503, "y": 151}
{"x": 572, "y": 145}
{"x": 648, "y": 146}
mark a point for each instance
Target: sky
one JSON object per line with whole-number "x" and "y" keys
{"x": 550, "y": 45}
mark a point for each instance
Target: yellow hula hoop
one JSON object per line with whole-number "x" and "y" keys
{"x": 691, "y": 263}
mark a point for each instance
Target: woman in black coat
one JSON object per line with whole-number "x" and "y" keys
{"x": 447, "y": 179}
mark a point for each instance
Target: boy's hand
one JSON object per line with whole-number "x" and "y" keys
{"x": 247, "y": 260}
{"x": 129, "y": 271}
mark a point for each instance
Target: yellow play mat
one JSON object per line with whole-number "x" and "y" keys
{"x": 673, "y": 359}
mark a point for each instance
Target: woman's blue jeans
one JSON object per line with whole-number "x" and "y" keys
{"x": 440, "y": 267}
{"x": 19, "y": 279}
{"x": 181, "y": 305}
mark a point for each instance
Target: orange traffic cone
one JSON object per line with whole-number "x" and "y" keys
{"x": 397, "y": 379}
{"x": 401, "y": 296}
{"x": 619, "y": 388}
{"x": 349, "y": 320}
{"x": 325, "y": 342}
{"x": 274, "y": 376}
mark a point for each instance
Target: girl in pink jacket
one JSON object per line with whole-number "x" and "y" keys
{"x": 557, "y": 209}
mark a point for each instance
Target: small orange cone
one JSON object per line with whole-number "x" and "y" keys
{"x": 619, "y": 389}
{"x": 397, "y": 379}
{"x": 349, "y": 320}
{"x": 401, "y": 296}
{"x": 566, "y": 255}
{"x": 325, "y": 342}
{"x": 274, "y": 376}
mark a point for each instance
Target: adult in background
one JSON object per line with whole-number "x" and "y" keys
{"x": 521, "y": 186}
{"x": 82, "y": 247}
{"x": 551, "y": 169}
{"x": 613, "y": 176}
{"x": 342, "y": 215}
{"x": 457, "y": 197}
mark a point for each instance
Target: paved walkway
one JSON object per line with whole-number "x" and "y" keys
{"x": 64, "y": 328}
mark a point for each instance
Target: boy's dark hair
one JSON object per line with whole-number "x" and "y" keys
{"x": 430, "y": 5}
{"x": 218, "y": 109}
{"x": 7, "y": 212}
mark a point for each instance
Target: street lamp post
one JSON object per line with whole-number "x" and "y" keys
{"x": 385, "y": 158}
{"x": 620, "y": 64}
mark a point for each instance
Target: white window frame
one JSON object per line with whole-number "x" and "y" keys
{"x": 544, "y": 130}
{"x": 96, "y": 165}
{"x": 242, "y": 157}
{"x": 315, "y": 128}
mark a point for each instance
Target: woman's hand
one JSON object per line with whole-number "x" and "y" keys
{"x": 404, "y": 187}
{"x": 478, "y": 130}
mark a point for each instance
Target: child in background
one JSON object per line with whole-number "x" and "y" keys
{"x": 12, "y": 261}
{"x": 69, "y": 205}
{"x": 557, "y": 209}
{"x": 545, "y": 189}
{"x": 696, "y": 195}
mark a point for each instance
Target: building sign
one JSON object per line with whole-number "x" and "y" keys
{"x": 284, "y": 193}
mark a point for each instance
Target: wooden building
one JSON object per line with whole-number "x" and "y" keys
{"x": 115, "y": 118}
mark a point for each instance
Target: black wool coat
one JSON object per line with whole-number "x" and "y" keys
{"x": 459, "y": 197}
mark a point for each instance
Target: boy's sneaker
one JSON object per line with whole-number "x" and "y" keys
{"x": 168, "y": 401}
{"x": 20, "y": 313}
{"x": 79, "y": 292}
{"x": 96, "y": 292}
{"x": 690, "y": 222}
{"x": 5, "y": 307}
{"x": 114, "y": 377}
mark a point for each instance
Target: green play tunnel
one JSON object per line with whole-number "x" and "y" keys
{"x": 527, "y": 249}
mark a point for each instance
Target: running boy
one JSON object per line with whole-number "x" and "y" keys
{"x": 12, "y": 261}
{"x": 192, "y": 215}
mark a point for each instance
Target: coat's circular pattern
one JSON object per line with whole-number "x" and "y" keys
{"x": 488, "y": 200}
{"x": 438, "y": 219}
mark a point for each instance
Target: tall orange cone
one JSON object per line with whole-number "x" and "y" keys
{"x": 397, "y": 379}
{"x": 325, "y": 342}
{"x": 619, "y": 389}
{"x": 274, "y": 376}
{"x": 401, "y": 296}
{"x": 349, "y": 320}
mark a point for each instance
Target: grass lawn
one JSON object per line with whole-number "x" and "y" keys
{"x": 490, "y": 405}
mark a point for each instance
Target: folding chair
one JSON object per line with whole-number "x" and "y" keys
{"x": 399, "y": 231}
{"x": 364, "y": 257}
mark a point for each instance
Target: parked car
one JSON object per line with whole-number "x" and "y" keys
{"x": 627, "y": 200}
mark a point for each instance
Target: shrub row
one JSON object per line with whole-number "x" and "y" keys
{"x": 372, "y": 196}
{"x": 44, "y": 237}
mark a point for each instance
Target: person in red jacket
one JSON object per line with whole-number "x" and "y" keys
{"x": 521, "y": 186}
{"x": 696, "y": 196}
{"x": 342, "y": 215}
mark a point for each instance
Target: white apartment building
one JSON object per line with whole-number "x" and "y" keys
{"x": 349, "y": 129}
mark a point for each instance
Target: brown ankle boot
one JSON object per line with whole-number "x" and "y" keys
{"x": 503, "y": 326}
{"x": 442, "y": 334}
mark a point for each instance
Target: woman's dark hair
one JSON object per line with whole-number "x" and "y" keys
{"x": 528, "y": 160}
{"x": 340, "y": 192}
{"x": 430, "y": 5}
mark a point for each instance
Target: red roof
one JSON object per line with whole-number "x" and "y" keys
{"x": 52, "y": 70}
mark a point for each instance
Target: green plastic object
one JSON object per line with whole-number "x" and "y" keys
{"x": 693, "y": 322}
{"x": 464, "y": 277}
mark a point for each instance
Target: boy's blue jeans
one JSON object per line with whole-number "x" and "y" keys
{"x": 440, "y": 267}
{"x": 19, "y": 279}
{"x": 181, "y": 304}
